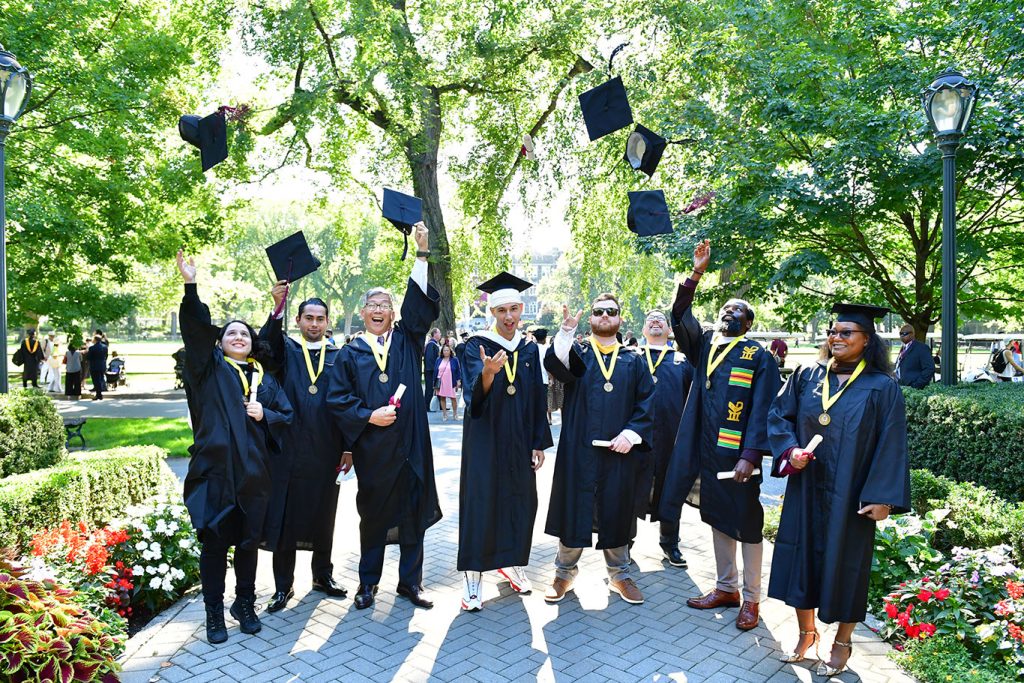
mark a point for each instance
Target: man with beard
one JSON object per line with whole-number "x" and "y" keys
{"x": 608, "y": 414}
{"x": 672, "y": 374}
{"x": 503, "y": 442}
{"x": 389, "y": 439}
{"x": 304, "y": 498}
{"x": 431, "y": 352}
{"x": 724, "y": 428}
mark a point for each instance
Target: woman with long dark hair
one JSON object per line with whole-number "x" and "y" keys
{"x": 856, "y": 476}
{"x": 238, "y": 411}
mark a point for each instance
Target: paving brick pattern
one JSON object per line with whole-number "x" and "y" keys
{"x": 592, "y": 635}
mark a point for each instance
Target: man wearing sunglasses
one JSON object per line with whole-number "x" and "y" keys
{"x": 914, "y": 364}
{"x": 724, "y": 428}
{"x": 607, "y": 420}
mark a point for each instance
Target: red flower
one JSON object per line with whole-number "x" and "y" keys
{"x": 1015, "y": 589}
{"x": 927, "y": 630}
{"x": 1015, "y": 631}
{"x": 1003, "y": 609}
{"x": 891, "y": 610}
{"x": 903, "y": 619}
{"x": 913, "y": 631}
{"x": 941, "y": 594}
{"x": 924, "y": 595}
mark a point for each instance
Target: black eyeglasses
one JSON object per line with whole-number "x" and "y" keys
{"x": 843, "y": 334}
{"x": 905, "y": 334}
{"x": 610, "y": 312}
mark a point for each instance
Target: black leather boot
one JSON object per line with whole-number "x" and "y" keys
{"x": 216, "y": 631}
{"x": 243, "y": 609}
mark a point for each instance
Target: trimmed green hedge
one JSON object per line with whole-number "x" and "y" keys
{"x": 31, "y": 432}
{"x": 969, "y": 433}
{"x": 93, "y": 486}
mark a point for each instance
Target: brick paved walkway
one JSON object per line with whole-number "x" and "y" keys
{"x": 590, "y": 636}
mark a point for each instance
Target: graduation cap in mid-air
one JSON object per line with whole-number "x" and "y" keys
{"x": 403, "y": 211}
{"x": 209, "y": 134}
{"x": 861, "y": 314}
{"x": 291, "y": 258}
{"x": 504, "y": 288}
{"x": 644, "y": 149}
{"x": 648, "y": 213}
{"x": 606, "y": 108}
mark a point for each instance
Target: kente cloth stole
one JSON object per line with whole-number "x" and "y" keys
{"x": 738, "y": 372}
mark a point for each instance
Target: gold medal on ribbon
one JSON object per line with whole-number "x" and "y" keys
{"x": 651, "y": 365}
{"x": 827, "y": 401}
{"x": 313, "y": 376}
{"x": 610, "y": 368}
{"x": 380, "y": 354}
{"x": 510, "y": 374}
{"x": 715, "y": 360}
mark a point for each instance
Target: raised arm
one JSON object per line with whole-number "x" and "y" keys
{"x": 197, "y": 330}
{"x": 422, "y": 303}
{"x": 272, "y": 331}
{"x": 685, "y": 326}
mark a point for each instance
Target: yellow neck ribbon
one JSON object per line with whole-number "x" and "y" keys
{"x": 598, "y": 350}
{"x": 380, "y": 353}
{"x": 511, "y": 372}
{"x": 245, "y": 383}
{"x": 828, "y": 401}
{"x": 313, "y": 377}
{"x": 651, "y": 365}
{"x": 715, "y": 360}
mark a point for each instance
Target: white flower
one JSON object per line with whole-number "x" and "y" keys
{"x": 184, "y": 543}
{"x": 155, "y": 547}
{"x": 151, "y": 569}
{"x": 177, "y": 510}
{"x": 163, "y": 568}
{"x": 138, "y": 570}
{"x": 167, "y": 585}
{"x": 172, "y": 528}
{"x": 147, "y": 555}
{"x": 141, "y": 546}
{"x": 161, "y": 526}
{"x": 154, "y": 582}
{"x": 146, "y": 533}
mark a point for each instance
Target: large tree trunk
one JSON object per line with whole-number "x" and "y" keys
{"x": 422, "y": 155}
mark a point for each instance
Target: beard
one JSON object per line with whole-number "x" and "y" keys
{"x": 606, "y": 328}
{"x": 731, "y": 327}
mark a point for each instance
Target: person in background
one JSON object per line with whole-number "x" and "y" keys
{"x": 540, "y": 337}
{"x": 1010, "y": 367}
{"x": 779, "y": 349}
{"x": 431, "y": 352}
{"x": 54, "y": 363}
{"x": 448, "y": 379}
{"x": 30, "y": 353}
{"x": 914, "y": 365}
{"x": 97, "y": 355}
{"x": 73, "y": 379}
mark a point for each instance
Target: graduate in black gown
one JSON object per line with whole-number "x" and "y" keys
{"x": 856, "y": 477}
{"x": 724, "y": 428}
{"x": 239, "y": 414}
{"x": 305, "y": 496}
{"x": 503, "y": 440}
{"x": 30, "y": 353}
{"x": 394, "y": 464}
{"x": 609, "y": 396}
{"x": 672, "y": 374}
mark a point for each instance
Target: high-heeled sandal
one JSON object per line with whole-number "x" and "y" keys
{"x": 825, "y": 669}
{"x": 793, "y": 657}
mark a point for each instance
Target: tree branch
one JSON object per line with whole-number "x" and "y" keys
{"x": 54, "y": 124}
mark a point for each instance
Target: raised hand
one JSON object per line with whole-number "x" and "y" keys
{"x": 186, "y": 268}
{"x": 702, "y": 256}
{"x": 569, "y": 322}
{"x": 493, "y": 364}
{"x": 279, "y": 292}
{"x": 421, "y": 235}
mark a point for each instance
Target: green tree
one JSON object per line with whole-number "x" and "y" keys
{"x": 97, "y": 179}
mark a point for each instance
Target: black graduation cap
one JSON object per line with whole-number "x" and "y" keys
{"x": 648, "y": 213}
{"x": 644, "y": 149}
{"x": 606, "y": 108}
{"x": 403, "y": 211}
{"x": 503, "y": 288}
{"x": 209, "y": 134}
{"x": 860, "y": 314}
{"x": 291, "y": 258}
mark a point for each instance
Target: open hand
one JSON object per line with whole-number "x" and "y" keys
{"x": 702, "y": 256}
{"x": 570, "y": 323}
{"x": 186, "y": 268}
{"x": 420, "y": 234}
{"x": 492, "y": 364}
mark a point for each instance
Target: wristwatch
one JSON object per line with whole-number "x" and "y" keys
{"x": 424, "y": 254}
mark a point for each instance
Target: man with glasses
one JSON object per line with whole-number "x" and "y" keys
{"x": 389, "y": 439}
{"x": 724, "y": 429}
{"x": 672, "y": 374}
{"x": 914, "y": 364}
{"x": 607, "y": 419}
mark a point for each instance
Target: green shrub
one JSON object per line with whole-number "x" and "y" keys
{"x": 31, "y": 432}
{"x": 944, "y": 658}
{"x": 772, "y": 516}
{"x": 969, "y": 432}
{"x": 94, "y": 487}
{"x": 927, "y": 488}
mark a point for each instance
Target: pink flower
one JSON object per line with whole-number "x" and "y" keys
{"x": 1003, "y": 609}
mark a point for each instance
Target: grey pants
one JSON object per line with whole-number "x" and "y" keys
{"x": 728, "y": 574}
{"x": 616, "y": 560}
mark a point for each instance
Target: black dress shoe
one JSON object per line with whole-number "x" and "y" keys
{"x": 364, "y": 595}
{"x": 674, "y": 557}
{"x": 216, "y": 630}
{"x": 325, "y": 584}
{"x": 244, "y": 612}
{"x": 415, "y": 596}
{"x": 279, "y": 600}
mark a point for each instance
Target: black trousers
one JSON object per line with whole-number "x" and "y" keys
{"x": 99, "y": 382}
{"x": 410, "y": 566}
{"x": 73, "y": 384}
{"x": 284, "y": 567}
{"x": 213, "y": 570}
{"x": 25, "y": 379}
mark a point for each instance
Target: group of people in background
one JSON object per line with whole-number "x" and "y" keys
{"x": 42, "y": 360}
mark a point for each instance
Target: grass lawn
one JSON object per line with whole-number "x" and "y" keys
{"x": 172, "y": 433}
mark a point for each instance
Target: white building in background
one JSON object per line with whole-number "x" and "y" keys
{"x": 534, "y": 269}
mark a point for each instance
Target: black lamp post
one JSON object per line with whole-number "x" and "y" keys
{"x": 15, "y": 86}
{"x": 948, "y": 104}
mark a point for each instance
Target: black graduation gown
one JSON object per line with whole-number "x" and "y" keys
{"x": 498, "y": 487}
{"x": 380, "y": 454}
{"x": 594, "y": 488}
{"x": 674, "y": 377}
{"x": 227, "y": 488}
{"x": 304, "y": 498}
{"x": 823, "y": 550}
{"x": 31, "y": 359}
{"x": 699, "y": 454}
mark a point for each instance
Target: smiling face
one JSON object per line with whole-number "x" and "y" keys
{"x": 378, "y": 314}
{"x": 847, "y": 342}
{"x": 236, "y": 341}
{"x": 312, "y": 322}
{"x": 656, "y": 328}
{"x": 506, "y": 318}
{"x": 733, "y": 318}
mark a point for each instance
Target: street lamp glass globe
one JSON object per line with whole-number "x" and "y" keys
{"x": 15, "y": 84}
{"x": 946, "y": 109}
{"x": 949, "y": 102}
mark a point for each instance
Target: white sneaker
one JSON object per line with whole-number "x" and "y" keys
{"x": 472, "y": 592}
{"x": 518, "y": 579}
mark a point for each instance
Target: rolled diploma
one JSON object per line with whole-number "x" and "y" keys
{"x": 399, "y": 392}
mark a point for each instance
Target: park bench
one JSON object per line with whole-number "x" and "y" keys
{"x": 73, "y": 427}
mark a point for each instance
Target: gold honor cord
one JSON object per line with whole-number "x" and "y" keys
{"x": 245, "y": 382}
{"x": 826, "y": 401}
{"x": 606, "y": 371}
{"x": 380, "y": 353}
{"x": 511, "y": 373}
{"x": 714, "y": 361}
{"x": 652, "y": 366}
{"x": 313, "y": 377}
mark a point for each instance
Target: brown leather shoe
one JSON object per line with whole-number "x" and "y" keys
{"x": 715, "y": 598}
{"x": 748, "y": 616}
{"x": 627, "y": 590}
{"x": 558, "y": 589}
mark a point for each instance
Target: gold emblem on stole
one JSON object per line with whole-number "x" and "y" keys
{"x": 748, "y": 353}
{"x": 734, "y": 411}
